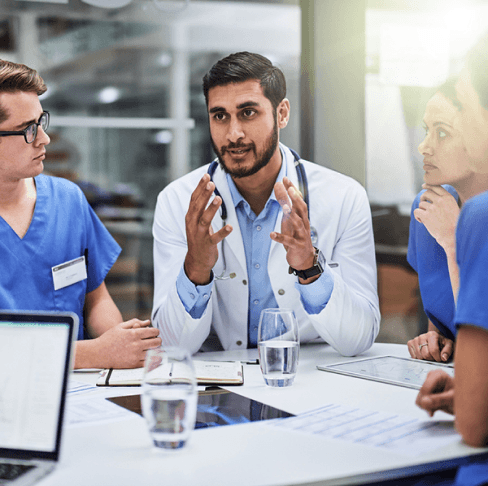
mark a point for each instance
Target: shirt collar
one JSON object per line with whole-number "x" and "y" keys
{"x": 236, "y": 195}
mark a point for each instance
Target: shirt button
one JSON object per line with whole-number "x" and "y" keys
{"x": 257, "y": 265}
{"x": 239, "y": 343}
{"x": 205, "y": 296}
{"x": 192, "y": 296}
{"x": 259, "y": 228}
{"x": 256, "y": 302}
{"x": 281, "y": 292}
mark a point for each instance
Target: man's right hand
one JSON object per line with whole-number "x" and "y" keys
{"x": 431, "y": 346}
{"x": 125, "y": 345}
{"x": 202, "y": 241}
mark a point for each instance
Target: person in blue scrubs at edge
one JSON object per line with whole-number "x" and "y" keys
{"x": 46, "y": 222}
{"x": 432, "y": 239}
{"x": 214, "y": 274}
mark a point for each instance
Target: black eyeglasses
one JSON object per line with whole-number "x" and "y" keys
{"x": 30, "y": 133}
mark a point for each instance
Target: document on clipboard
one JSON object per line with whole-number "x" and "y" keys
{"x": 407, "y": 372}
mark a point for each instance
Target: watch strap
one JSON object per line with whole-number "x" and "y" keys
{"x": 316, "y": 269}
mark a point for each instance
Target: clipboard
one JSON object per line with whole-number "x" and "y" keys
{"x": 407, "y": 372}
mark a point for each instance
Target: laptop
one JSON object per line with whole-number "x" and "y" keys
{"x": 35, "y": 361}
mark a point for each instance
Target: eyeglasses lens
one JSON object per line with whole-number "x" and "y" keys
{"x": 31, "y": 130}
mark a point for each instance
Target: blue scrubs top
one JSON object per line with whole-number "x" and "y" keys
{"x": 63, "y": 227}
{"x": 429, "y": 260}
{"x": 472, "y": 302}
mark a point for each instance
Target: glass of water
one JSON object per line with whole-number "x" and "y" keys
{"x": 169, "y": 396}
{"x": 278, "y": 345}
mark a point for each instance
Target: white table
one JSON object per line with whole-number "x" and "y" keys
{"x": 121, "y": 453}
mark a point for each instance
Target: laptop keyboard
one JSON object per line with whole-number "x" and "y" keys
{"x": 9, "y": 472}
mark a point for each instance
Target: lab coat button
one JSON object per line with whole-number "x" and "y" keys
{"x": 239, "y": 343}
{"x": 281, "y": 292}
{"x": 244, "y": 282}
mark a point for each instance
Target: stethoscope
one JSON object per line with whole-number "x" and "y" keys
{"x": 302, "y": 186}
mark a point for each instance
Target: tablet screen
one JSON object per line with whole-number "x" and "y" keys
{"x": 216, "y": 407}
{"x": 389, "y": 369}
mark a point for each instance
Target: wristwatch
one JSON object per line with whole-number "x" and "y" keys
{"x": 316, "y": 269}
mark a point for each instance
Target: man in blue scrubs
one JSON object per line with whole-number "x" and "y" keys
{"x": 54, "y": 251}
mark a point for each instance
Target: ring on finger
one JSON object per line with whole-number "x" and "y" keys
{"x": 422, "y": 345}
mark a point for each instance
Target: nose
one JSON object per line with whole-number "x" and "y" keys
{"x": 42, "y": 138}
{"x": 235, "y": 132}
{"x": 425, "y": 147}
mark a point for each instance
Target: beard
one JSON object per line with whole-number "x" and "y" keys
{"x": 261, "y": 160}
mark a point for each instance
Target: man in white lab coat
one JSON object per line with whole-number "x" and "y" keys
{"x": 237, "y": 236}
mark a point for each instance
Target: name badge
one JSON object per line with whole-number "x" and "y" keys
{"x": 69, "y": 273}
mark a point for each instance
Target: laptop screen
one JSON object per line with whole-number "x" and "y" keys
{"x": 34, "y": 369}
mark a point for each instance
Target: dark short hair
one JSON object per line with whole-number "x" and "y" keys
{"x": 18, "y": 77}
{"x": 477, "y": 64}
{"x": 448, "y": 89}
{"x": 243, "y": 66}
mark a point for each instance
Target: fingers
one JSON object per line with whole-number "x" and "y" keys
{"x": 146, "y": 333}
{"x": 199, "y": 200}
{"x": 439, "y": 190}
{"x": 447, "y": 350}
{"x": 426, "y": 346}
{"x": 418, "y": 213}
{"x": 432, "y": 351}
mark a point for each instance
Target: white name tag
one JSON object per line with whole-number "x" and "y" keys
{"x": 69, "y": 273}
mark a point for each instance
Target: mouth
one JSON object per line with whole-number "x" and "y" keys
{"x": 237, "y": 152}
{"x": 428, "y": 166}
{"x": 40, "y": 157}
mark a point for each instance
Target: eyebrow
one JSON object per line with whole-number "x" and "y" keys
{"x": 437, "y": 123}
{"x": 442, "y": 123}
{"x": 27, "y": 123}
{"x": 246, "y": 104}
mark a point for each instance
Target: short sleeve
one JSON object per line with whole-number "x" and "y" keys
{"x": 101, "y": 249}
{"x": 472, "y": 257}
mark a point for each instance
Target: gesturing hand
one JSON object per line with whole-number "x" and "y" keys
{"x": 202, "y": 241}
{"x": 431, "y": 346}
{"x": 438, "y": 210}
{"x": 295, "y": 226}
{"x": 437, "y": 393}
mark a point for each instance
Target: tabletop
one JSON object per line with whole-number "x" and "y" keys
{"x": 121, "y": 452}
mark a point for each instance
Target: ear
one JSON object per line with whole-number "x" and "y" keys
{"x": 283, "y": 113}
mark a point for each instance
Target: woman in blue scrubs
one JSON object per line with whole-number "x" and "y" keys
{"x": 466, "y": 395}
{"x": 449, "y": 182}
{"x": 55, "y": 252}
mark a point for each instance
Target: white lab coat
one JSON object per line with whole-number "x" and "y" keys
{"x": 340, "y": 212}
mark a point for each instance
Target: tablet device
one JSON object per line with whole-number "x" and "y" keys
{"x": 217, "y": 407}
{"x": 389, "y": 369}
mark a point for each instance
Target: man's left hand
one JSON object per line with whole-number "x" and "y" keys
{"x": 295, "y": 226}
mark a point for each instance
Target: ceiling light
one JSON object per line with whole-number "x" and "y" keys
{"x": 109, "y": 95}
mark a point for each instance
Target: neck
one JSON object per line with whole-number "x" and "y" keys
{"x": 257, "y": 189}
{"x": 13, "y": 193}
{"x": 472, "y": 187}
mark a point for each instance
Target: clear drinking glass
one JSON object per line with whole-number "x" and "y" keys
{"x": 169, "y": 396}
{"x": 278, "y": 345}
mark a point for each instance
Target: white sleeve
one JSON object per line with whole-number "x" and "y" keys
{"x": 176, "y": 326}
{"x": 350, "y": 321}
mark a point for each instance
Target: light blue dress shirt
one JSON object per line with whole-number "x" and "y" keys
{"x": 255, "y": 230}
